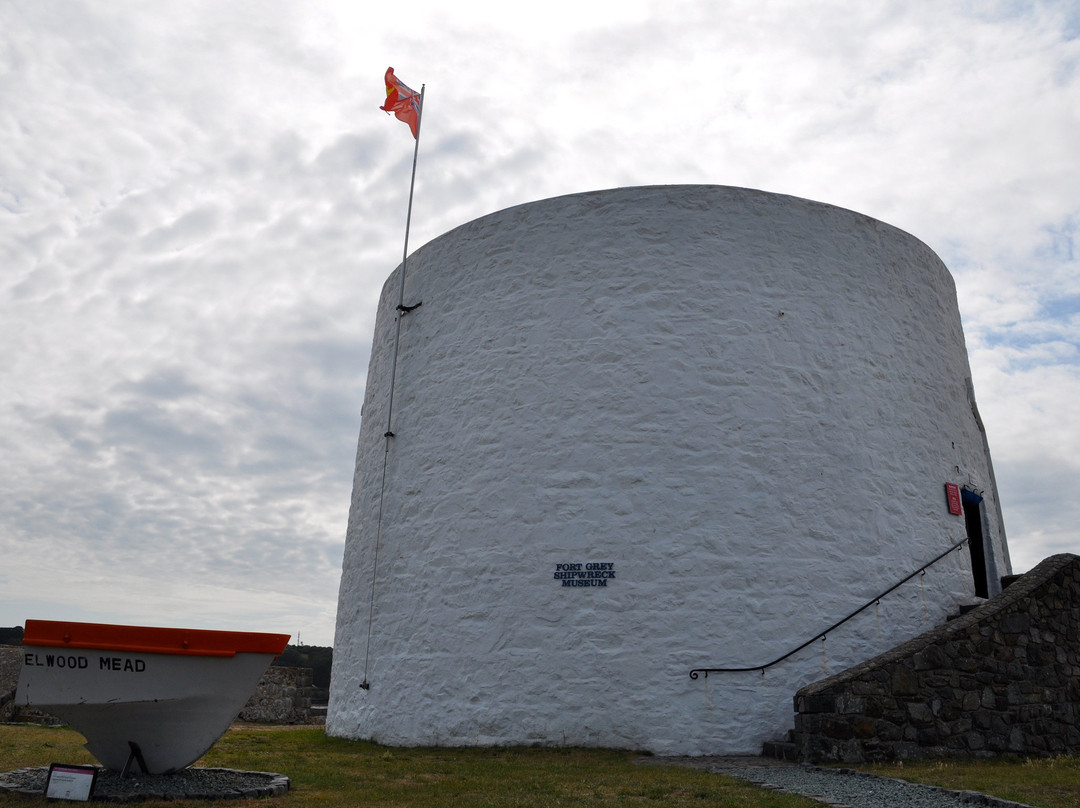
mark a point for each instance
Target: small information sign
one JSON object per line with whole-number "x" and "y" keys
{"x": 68, "y": 781}
{"x": 585, "y": 574}
{"x": 952, "y": 494}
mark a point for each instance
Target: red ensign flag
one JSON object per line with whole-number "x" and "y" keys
{"x": 403, "y": 102}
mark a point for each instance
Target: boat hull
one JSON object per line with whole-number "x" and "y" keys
{"x": 173, "y": 705}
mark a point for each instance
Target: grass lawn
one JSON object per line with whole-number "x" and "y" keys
{"x": 1046, "y": 782}
{"x": 329, "y": 772}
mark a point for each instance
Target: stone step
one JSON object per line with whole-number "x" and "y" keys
{"x": 780, "y": 750}
{"x": 1008, "y": 580}
{"x": 963, "y": 609}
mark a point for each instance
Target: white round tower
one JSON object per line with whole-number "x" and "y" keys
{"x": 648, "y": 431}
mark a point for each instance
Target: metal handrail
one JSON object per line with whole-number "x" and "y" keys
{"x": 821, "y": 634}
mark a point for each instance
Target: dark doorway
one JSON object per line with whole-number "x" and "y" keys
{"x": 973, "y": 521}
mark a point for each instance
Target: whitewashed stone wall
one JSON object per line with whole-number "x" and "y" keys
{"x": 747, "y": 404}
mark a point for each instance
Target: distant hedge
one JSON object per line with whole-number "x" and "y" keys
{"x": 11, "y": 636}
{"x": 318, "y": 658}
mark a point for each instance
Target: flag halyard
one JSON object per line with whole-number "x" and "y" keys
{"x": 403, "y": 102}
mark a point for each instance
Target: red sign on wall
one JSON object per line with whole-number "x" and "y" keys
{"x": 952, "y": 494}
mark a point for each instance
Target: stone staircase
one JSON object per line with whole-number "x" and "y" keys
{"x": 993, "y": 679}
{"x": 786, "y": 749}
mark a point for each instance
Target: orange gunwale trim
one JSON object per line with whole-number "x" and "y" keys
{"x": 149, "y": 640}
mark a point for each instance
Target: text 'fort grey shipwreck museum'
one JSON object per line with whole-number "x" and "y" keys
{"x": 639, "y": 433}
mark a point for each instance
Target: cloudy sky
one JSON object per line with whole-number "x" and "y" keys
{"x": 199, "y": 202}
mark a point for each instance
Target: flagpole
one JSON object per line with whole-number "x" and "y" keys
{"x": 412, "y": 184}
{"x": 402, "y": 310}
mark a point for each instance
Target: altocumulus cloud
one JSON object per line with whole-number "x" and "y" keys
{"x": 199, "y": 203}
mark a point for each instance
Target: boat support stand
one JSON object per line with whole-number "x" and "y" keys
{"x": 134, "y": 756}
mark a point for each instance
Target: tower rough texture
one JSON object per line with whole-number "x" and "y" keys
{"x": 744, "y": 405}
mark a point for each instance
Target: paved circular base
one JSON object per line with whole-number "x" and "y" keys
{"x": 189, "y": 784}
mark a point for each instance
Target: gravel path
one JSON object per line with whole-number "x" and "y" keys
{"x": 192, "y": 783}
{"x": 841, "y": 788}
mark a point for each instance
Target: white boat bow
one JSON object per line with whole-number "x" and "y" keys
{"x": 165, "y": 694}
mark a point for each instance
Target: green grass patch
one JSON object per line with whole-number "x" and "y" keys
{"x": 22, "y": 747}
{"x": 1045, "y": 782}
{"x": 330, "y": 772}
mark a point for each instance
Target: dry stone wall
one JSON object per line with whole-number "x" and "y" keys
{"x": 10, "y": 663}
{"x": 1002, "y": 679}
{"x": 283, "y": 696}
